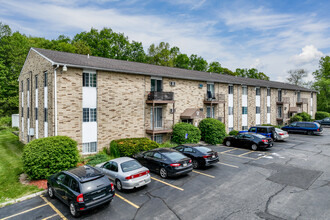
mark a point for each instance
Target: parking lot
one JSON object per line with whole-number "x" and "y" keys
{"x": 289, "y": 181}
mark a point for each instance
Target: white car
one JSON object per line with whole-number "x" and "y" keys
{"x": 281, "y": 135}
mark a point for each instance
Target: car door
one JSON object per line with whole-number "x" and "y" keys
{"x": 157, "y": 161}
{"x": 63, "y": 183}
{"x": 189, "y": 152}
{"x": 253, "y": 130}
{"x": 247, "y": 140}
{"x": 292, "y": 127}
{"x": 301, "y": 127}
{"x": 113, "y": 171}
{"x": 107, "y": 170}
{"x": 148, "y": 160}
{"x": 238, "y": 140}
{"x": 58, "y": 185}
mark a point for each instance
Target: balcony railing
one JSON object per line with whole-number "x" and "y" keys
{"x": 213, "y": 98}
{"x": 160, "y": 127}
{"x": 161, "y": 97}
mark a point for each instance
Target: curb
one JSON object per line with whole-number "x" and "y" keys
{"x": 23, "y": 198}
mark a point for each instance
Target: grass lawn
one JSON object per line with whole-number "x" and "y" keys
{"x": 11, "y": 166}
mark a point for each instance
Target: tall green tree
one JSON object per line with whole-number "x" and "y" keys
{"x": 296, "y": 76}
{"x": 182, "y": 61}
{"x": 197, "y": 63}
{"x": 162, "y": 54}
{"x": 251, "y": 73}
{"x": 215, "y": 67}
{"x": 322, "y": 84}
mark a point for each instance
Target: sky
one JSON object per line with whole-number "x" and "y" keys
{"x": 273, "y": 36}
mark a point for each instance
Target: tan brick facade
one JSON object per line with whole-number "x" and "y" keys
{"x": 122, "y": 111}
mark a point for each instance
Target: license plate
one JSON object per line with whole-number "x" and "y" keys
{"x": 213, "y": 156}
{"x": 185, "y": 164}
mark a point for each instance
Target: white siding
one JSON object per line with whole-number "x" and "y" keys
{"x": 257, "y": 119}
{"x": 36, "y": 105}
{"x": 89, "y": 97}
{"x": 230, "y": 117}
{"x": 244, "y": 120}
{"x": 89, "y": 132}
{"x": 268, "y": 114}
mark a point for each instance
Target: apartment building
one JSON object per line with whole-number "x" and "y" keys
{"x": 95, "y": 100}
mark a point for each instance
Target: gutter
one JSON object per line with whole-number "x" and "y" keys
{"x": 55, "y": 97}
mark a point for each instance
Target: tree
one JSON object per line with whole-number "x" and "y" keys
{"x": 251, "y": 73}
{"x": 197, "y": 63}
{"x": 322, "y": 84}
{"x": 296, "y": 76}
{"x": 162, "y": 54}
{"x": 214, "y": 67}
{"x": 182, "y": 61}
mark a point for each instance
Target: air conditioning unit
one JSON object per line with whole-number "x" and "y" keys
{"x": 172, "y": 111}
{"x": 201, "y": 109}
{"x": 172, "y": 83}
{"x": 31, "y": 132}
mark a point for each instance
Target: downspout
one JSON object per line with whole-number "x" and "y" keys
{"x": 55, "y": 97}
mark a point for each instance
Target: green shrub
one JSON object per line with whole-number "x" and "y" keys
{"x": 295, "y": 118}
{"x": 181, "y": 129}
{"x": 305, "y": 116}
{"x": 212, "y": 131}
{"x": 97, "y": 158}
{"x": 233, "y": 132}
{"x": 320, "y": 115}
{"x": 46, "y": 156}
{"x": 168, "y": 144}
{"x": 130, "y": 146}
{"x": 5, "y": 121}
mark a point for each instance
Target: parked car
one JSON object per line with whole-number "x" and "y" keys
{"x": 281, "y": 135}
{"x": 125, "y": 172}
{"x": 165, "y": 161}
{"x": 324, "y": 121}
{"x": 304, "y": 127}
{"x": 268, "y": 131}
{"x": 201, "y": 156}
{"x": 81, "y": 188}
{"x": 250, "y": 140}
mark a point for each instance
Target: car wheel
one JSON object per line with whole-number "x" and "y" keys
{"x": 228, "y": 143}
{"x": 50, "y": 192}
{"x": 119, "y": 185}
{"x": 195, "y": 164}
{"x": 254, "y": 147}
{"x": 163, "y": 173}
{"x": 73, "y": 210}
{"x": 275, "y": 137}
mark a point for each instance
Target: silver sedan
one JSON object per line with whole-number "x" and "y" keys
{"x": 281, "y": 135}
{"x": 125, "y": 172}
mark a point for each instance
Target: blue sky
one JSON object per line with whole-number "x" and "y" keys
{"x": 273, "y": 36}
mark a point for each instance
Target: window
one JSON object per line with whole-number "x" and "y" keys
{"x": 253, "y": 130}
{"x": 188, "y": 150}
{"x": 244, "y": 90}
{"x": 311, "y": 95}
{"x": 28, "y": 84}
{"x": 210, "y": 91}
{"x": 268, "y": 91}
{"x": 244, "y": 128}
{"x": 22, "y": 111}
{"x": 158, "y": 138}
{"x": 210, "y": 112}
{"x": 244, "y": 110}
{"x": 36, "y": 81}
{"x": 113, "y": 166}
{"x": 36, "y": 113}
{"x": 257, "y": 110}
{"x": 75, "y": 185}
{"x": 279, "y": 95}
{"x": 89, "y": 115}
{"x": 22, "y": 88}
{"x": 45, "y": 79}
{"x": 89, "y": 79}
{"x": 90, "y": 147}
{"x": 279, "y": 111}
{"x": 28, "y": 112}
{"x": 257, "y": 91}
{"x": 230, "y": 110}
{"x": 61, "y": 177}
{"x": 230, "y": 89}
{"x": 45, "y": 114}
{"x": 298, "y": 96}
{"x": 157, "y": 155}
{"x": 156, "y": 85}
{"x": 268, "y": 109}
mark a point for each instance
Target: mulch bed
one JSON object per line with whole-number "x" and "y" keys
{"x": 41, "y": 184}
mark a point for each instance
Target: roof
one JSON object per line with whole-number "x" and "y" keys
{"x": 121, "y": 66}
{"x": 191, "y": 113}
{"x": 122, "y": 159}
{"x": 162, "y": 150}
{"x": 85, "y": 172}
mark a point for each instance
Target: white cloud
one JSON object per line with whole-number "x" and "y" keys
{"x": 257, "y": 64}
{"x": 309, "y": 54}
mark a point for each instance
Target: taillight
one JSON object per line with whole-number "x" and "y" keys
{"x": 189, "y": 161}
{"x": 207, "y": 156}
{"x": 80, "y": 198}
{"x": 318, "y": 129}
{"x": 112, "y": 187}
{"x": 281, "y": 133}
{"x": 265, "y": 141}
{"x": 175, "y": 165}
{"x": 137, "y": 175}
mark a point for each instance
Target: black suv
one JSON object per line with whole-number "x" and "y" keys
{"x": 81, "y": 188}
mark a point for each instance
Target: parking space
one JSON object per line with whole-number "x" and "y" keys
{"x": 244, "y": 184}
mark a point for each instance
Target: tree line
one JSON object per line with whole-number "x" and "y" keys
{"x": 15, "y": 46}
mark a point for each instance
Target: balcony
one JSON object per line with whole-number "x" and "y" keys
{"x": 214, "y": 99}
{"x": 302, "y": 101}
{"x": 160, "y": 97}
{"x": 161, "y": 127}
{"x": 279, "y": 102}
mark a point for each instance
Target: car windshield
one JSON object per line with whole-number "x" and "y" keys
{"x": 259, "y": 135}
{"x": 174, "y": 155}
{"x": 204, "y": 150}
{"x": 130, "y": 166}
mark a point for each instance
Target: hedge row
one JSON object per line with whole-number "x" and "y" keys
{"x": 303, "y": 116}
{"x": 212, "y": 131}
{"x": 320, "y": 115}
{"x": 46, "y": 156}
{"x": 130, "y": 146}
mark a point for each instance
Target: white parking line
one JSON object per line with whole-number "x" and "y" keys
{"x": 228, "y": 165}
